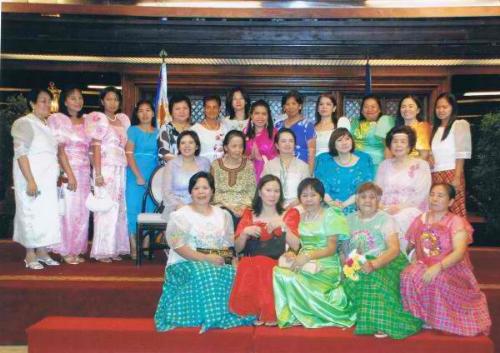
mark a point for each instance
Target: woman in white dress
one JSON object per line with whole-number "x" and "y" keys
{"x": 35, "y": 170}
{"x": 327, "y": 122}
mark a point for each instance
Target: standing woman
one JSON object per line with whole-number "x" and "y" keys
{"x": 141, "y": 151}
{"x": 305, "y": 144}
{"x": 260, "y": 136}
{"x": 211, "y": 130}
{"x": 411, "y": 113}
{"x": 234, "y": 176}
{"x": 73, "y": 153}
{"x": 262, "y": 235}
{"x": 288, "y": 168}
{"x": 180, "y": 110}
{"x": 237, "y": 108}
{"x": 108, "y": 131}
{"x": 451, "y": 146}
{"x": 370, "y": 129}
{"x": 178, "y": 171}
{"x": 35, "y": 171}
{"x": 326, "y": 121}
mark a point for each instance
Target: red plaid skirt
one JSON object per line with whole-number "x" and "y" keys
{"x": 447, "y": 176}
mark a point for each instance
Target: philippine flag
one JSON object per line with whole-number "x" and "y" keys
{"x": 162, "y": 115}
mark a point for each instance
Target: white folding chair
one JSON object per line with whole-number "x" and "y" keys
{"x": 151, "y": 224}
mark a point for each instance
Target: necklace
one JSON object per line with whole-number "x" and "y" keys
{"x": 345, "y": 163}
{"x": 42, "y": 120}
{"x": 211, "y": 127}
{"x": 309, "y": 217}
{"x": 112, "y": 119}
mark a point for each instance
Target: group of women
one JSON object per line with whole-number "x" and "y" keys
{"x": 254, "y": 239}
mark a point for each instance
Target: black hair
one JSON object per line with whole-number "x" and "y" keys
{"x": 177, "y": 98}
{"x": 400, "y": 121}
{"x": 407, "y": 130}
{"x": 285, "y": 130}
{"x": 212, "y": 98}
{"x": 32, "y": 96}
{"x": 135, "y": 118}
{"x": 436, "y": 122}
{"x": 230, "y": 135}
{"x": 334, "y": 114}
{"x": 314, "y": 184}
{"x": 450, "y": 189}
{"x": 365, "y": 98}
{"x": 257, "y": 200}
{"x": 270, "y": 125}
{"x": 194, "y": 136}
{"x": 292, "y": 94}
{"x": 336, "y": 134}
{"x": 107, "y": 90}
{"x": 201, "y": 175}
{"x": 229, "y": 102}
{"x": 62, "y": 99}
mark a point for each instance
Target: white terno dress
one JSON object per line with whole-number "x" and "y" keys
{"x": 36, "y": 222}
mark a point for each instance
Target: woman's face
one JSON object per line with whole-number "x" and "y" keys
{"x": 270, "y": 193}
{"x": 181, "y": 112}
{"x": 343, "y": 144}
{"x": 41, "y": 107}
{"x": 145, "y": 114}
{"x": 111, "y": 102}
{"x": 309, "y": 198}
{"x": 212, "y": 110}
{"x": 238, "y": 102}
{"x": 286, "y": 144}
{"x": 201, "y": 194}
{"x": 259, "y": 117}
{"x": 443, "y": 109}
{"x": 400, "y": 145}
{"x": 439, "y": 201}
{"x": 292, "y": 108}
{"x": 187, "y": 146}
{"x": 371, "y": 109}
{"x": 367, "y": 202}
{"x": 74, "y": 102}
{"x": 326, "y": 108}
{"x": 234, "y": 148}
{"x": 409, "y": 109}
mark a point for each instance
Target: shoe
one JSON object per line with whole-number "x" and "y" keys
{"x": 105, "y": 260}
{"x": 71, "y": 260}
{"x": 426, "y": 327}
{"x": 271, "y": 324}
{"x": 380, "y": 335}
{"x": 80, "y": 259}
{"x": 33, "y": 265}
{"x": 48, "y": 261}
{"x": 116, "y": 258}
{"x": 258, "y": 323}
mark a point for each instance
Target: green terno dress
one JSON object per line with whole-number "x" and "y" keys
{"x": 315, "y": 300}
{"x": 369, "y": 137}
{"x": 376, "y": 295}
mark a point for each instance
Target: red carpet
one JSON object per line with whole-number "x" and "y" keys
{"x": 106, "y": 335}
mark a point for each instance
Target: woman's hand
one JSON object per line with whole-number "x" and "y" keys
{"x": 32, "y": 188}
{"x": 367, "y": 267}
{"x": 275, "y": 224}
{"x": 72, "y": 184}
{"x": 431, "y": 273}
{"x": 300, "y": 260}
{"x": 252, "y": 231}
{"x": 214, "y": 259}
{"x": 140, "y": 181}
{"x": 290, "y": 255}
{"x": 99, "y": 180}
{"x": 456, "y": 182}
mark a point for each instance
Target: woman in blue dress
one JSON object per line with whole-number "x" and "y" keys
{"x": 142, "y": 152}
{"x": 342, "y": 170}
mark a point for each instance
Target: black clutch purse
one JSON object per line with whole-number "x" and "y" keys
{"x": 227, "y": 254}
{"x": 273, "y": 248}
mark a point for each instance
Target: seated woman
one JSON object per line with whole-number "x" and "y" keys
{"x": 178, "y": 171}
{"x": 287, "y": 167}
{"x": 405, "y": 180}
{"x": 375, "y": 294}
{"x": 260, "y": 136}
{"x": 439, "y": 287}
{"x": 342, "y": 170}
{"x": 314, "y": 299}
{"x": 234, "y": 176}
{"x": 262, "y": 235}
{"x": 199, "y": 274}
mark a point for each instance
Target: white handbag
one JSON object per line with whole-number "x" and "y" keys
{"x": 99, "y": 201}
{"x": 311, "y": 266}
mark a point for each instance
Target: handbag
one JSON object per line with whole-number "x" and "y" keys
{"x": 99, "y": 201}
{"x": 273, "y": 248}
{"x": 311, "y": 266}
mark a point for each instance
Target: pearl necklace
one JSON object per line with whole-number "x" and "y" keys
{"x": 112, "y": 119}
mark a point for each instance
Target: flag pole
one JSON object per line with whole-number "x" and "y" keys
{"x": 161, "y": 104}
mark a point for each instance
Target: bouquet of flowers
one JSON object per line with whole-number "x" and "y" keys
{"x": 353, "y": 265}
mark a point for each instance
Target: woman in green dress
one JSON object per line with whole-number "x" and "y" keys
{"x": 371, "y": 128}
{"x": 314, "y": 298}
{"x": 375, "y": 291}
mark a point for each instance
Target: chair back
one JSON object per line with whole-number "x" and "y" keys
{"x": 154, "y": 190}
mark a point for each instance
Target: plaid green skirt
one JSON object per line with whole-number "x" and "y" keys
{"x": 197, "y": 294}
{"x": 377, "y": 300}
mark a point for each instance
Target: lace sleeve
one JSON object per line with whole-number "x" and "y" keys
{"x": 22, "y": 134}
{"x": 177, "y": 233}
{"x": 228, "y": 230}
{"x": 60, "y": 125}
{"x": 463, "y": 141}
{"x": 96, "y": 125}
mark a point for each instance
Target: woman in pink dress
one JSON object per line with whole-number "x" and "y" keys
{"x": 260, "y": 134}
{"x": 73, "y": 153}
{"x": 108, "y": 131}
{"x": 439, "y": 286}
